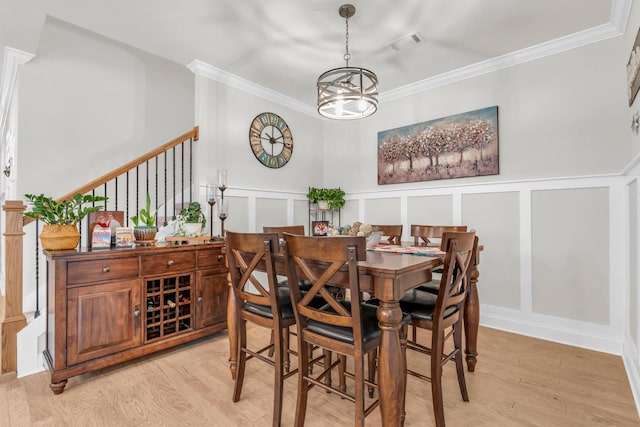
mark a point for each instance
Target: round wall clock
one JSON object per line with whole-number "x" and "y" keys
{"x": 271, "y": 140}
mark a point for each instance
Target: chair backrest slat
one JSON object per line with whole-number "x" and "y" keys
{"x": 247, "y": 254}
{"x": 459, "y": 247}
{"x": 326, "y": 262}
{"x": 393, "y": 233}
{"x": 422, "y": 233}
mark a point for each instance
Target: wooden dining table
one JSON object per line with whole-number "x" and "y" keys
{"x": 387, "y": 276}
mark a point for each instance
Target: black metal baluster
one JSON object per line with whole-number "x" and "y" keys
{"x": 37, "y": 313}
{"x": 165, "y": 188}
{"x": 191, "y": 169}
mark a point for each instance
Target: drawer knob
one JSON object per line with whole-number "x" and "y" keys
{"x": 170, "y": 263}
{"x": 136, "y": 313}
{"x": 200, "y": 299}
{"x": 105, "y": 269}
{"x": 220, "y": 257}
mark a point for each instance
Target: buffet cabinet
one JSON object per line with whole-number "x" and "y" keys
{"x": 109, "y": 306}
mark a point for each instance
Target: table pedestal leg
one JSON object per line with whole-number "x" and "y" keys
{"x": 391, "y": 366}
{"x": 232, "y": 326}
{"x": 472, "y": 317}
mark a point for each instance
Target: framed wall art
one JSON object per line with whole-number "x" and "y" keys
{"x": 462, "y": 145}
{"x": 633, "y": 66}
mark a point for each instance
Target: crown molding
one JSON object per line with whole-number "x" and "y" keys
{"x": 201, "y": 68}
{"x": 13, "y": 58}
{"x": 620, "y": 10}
{"x": 563, "y": 44}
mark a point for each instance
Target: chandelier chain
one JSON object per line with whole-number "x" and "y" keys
{"x": 347, "y": 55}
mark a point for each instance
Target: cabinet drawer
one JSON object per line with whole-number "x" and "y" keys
{"x": 211, "y": 258}
{"x": 167, "y": 263}
{"x": 101, "y": 270}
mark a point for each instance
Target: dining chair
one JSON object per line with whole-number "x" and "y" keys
{"x": 393, "y": 233}
{"x": 442, "y": 314}
{"x": 249, "y": 256}
{"x": 346, "y": 327}
{"x": 281, "y": 229}
{"x": 429, "y": 235}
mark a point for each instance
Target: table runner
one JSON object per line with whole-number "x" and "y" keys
{"x": 410, "y": 250}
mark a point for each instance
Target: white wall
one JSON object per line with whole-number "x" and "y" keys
{"x": 85, "y": 97}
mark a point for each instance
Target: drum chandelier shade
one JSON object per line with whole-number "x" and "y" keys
{"x": 347, "y": 93}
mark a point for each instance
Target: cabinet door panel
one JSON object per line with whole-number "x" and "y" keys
{"x": 102, "y": 319}
{"x": 211, "y": 306}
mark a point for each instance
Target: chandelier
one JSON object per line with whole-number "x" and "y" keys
{"x": 347, "y": 93}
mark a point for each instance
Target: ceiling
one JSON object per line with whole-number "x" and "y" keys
{"x": 284, "y": 45}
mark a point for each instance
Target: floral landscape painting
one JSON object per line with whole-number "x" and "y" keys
{"x": 457, "y": 146}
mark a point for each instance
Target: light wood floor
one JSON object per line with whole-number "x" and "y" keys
{"x": 519, "y": 381}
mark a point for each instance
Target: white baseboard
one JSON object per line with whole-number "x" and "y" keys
{"x": 561, "y": 330}
{"x": 631, "y": 365}
{"x": 30, "y": 345}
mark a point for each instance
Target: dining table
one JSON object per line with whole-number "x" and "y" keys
{"x": 387, "y": 276}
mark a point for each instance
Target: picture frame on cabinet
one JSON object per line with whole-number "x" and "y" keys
{"x": 320, "y": 228}
{"x": 105, "y": 220}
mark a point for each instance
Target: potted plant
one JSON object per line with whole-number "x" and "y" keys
{"x": 144, "y": 230}
{"x": 327, "y": 198}
{"x": 60, "y": 218}
{"x": 192, "y": 220}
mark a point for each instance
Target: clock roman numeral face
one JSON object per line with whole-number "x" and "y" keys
{"x": 271, "y": 140}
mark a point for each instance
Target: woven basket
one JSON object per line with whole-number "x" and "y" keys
{"x": 56, "y": 237}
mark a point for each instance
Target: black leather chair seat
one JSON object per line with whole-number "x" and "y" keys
{"x": 265, "y": 310}
{"x": 421, "y": 304}
{"x": 284, "y": 298}
{"x": 304, "y": 284}
{"x": 370, "y": 330}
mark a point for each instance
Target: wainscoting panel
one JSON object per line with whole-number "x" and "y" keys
{"x": 570, "y": 253}
{"x": 428, "y": 210}
{"x": 496, "y": 219}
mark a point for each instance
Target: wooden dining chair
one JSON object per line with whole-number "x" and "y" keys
{"x": 267, "y": 305}
{"x": 281, "y": 229}
{"x": 423, "y": 234}
{"x": 442, "y": 314}
{"x": 392, "y": 233}
{"x": 349, "y": 328}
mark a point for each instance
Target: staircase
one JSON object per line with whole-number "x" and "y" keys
{"x": 165, "y": 173}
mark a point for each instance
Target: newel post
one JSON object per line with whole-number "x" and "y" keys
{"x": 12, "y": 319}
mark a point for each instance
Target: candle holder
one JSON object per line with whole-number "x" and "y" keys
{"x": 211, "y": 199}
{"x": 223, "y": 209}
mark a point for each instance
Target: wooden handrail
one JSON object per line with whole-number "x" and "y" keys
{"x": 194, "y": 133}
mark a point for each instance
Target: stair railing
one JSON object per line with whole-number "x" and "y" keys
{"x": 166, "y": 174}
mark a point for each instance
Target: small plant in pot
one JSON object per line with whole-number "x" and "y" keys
{"x": 60, "y": 218}
{"x": 327, "y": 198}
{"x": 144, "y": 230}
{"x": 192, "y": 220}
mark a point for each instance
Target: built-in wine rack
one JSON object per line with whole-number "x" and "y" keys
{"x": 169, "y": 306}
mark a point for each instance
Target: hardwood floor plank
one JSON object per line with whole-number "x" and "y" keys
{"x": 519, "y": 381}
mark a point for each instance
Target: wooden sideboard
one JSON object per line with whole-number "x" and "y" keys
{"x": 112, "y": 305}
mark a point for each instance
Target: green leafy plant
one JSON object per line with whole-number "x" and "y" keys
{"x": 193, "y": 213}
{"x": 334, "y": 196}
{"x": 145, "y": 217}
{"x": 65, "y": 212}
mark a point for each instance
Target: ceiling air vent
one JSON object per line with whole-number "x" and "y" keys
{"x": 408, "y": 41}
